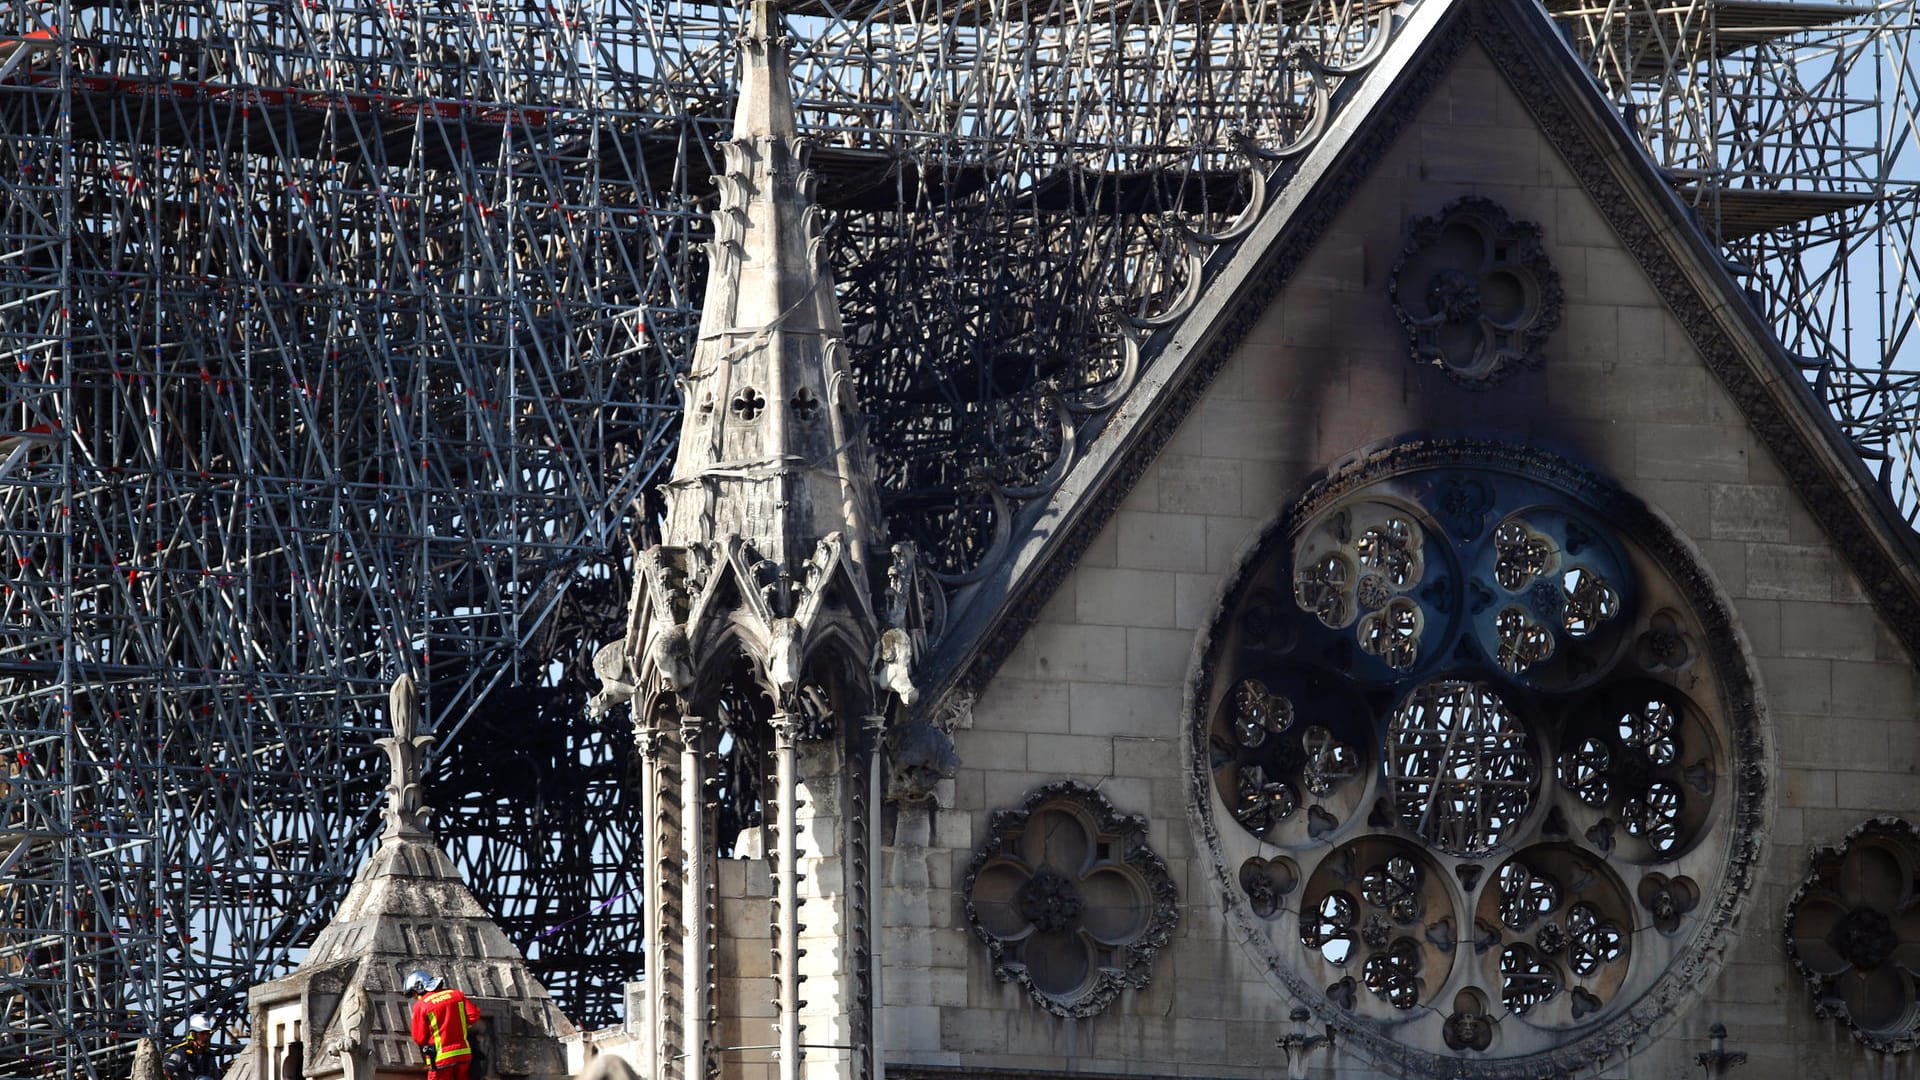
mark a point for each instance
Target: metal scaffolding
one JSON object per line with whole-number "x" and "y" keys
{"x": 1790, "y": 126}
{"x": 338, "y": 340}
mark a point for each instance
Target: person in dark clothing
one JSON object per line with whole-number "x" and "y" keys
{"x": 192, "y": 1057}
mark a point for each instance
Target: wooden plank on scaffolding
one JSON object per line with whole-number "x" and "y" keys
{"x": 1745, "y": 212}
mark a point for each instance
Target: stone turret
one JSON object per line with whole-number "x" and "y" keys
{"x": 407, "y": 909}
{"x": 769, "y": 625}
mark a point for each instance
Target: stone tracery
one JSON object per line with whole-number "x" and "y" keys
{"x": 1517, "y": 796}
{"x": 1853, "y": 931}
{"x": 1071, "y": 902}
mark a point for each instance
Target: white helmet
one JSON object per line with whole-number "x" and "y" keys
{"x": 420, "y": 982}
{"x": 201, "y": 1022}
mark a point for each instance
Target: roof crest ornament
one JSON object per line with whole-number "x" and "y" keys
{"x": 406, "y": 757}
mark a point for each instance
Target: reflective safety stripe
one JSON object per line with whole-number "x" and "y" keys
{"x": 447, "y": 1026}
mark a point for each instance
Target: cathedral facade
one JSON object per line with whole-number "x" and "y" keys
{"x": 1468, "y": 649}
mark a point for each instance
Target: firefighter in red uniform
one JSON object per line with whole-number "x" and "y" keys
{"x": 441, "y": 1016}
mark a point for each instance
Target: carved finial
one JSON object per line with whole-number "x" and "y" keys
{"x": 406, "y": 816}
{"x": 403, "y": 708}
{"x": 146, "y": 1061}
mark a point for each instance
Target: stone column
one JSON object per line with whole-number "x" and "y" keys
{"x": 868, "y": 855}
{"x": 696, "y": 913}
{"x": 659, "y": 843}
{"x": 786, "y": 917}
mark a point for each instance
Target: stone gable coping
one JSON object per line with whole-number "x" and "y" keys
{"x": 1646, "y": 215}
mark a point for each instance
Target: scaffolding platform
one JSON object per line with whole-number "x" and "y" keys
{"x": 1670, "y": 38}
{"x": 1734, "y": 214}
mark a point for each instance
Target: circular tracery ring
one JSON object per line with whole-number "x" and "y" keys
{"x": 1485, "y": 707}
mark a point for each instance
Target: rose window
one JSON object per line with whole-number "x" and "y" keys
{"x": 1069, "y": 899}
{"x": 1472, "y": 731}
{"x": 1853, "y": 930}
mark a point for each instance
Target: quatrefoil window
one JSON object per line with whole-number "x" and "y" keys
{"x": 804, "y": 405}
{"x": 1069, "y": 899}
{"x": 749, "y": 403}
{"x": 1490, "y": 716}
{"x": 1476, "y": 292}
{"x": 1853, "y": 931}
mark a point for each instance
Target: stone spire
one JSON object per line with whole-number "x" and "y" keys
{"x": 770, "y": 624}
{"x": 771, "y": 449}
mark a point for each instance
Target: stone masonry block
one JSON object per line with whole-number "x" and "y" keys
{"x": 1125, "y": 597}
{"x": 996, "y": 751}
{"x": 1748, "y": 512}
{"x": 1103, "y": 550}
{"x": 1576, "y": 221}
{"x": 1643, "y": 342}
{"x": 1099, "y": 709}
{"x": 973, "y": 1030}
{"x": 1194, "y": 597}
{"x": 1876, "y": 791}
{"x": 1158, "y": 657}
{"x": 1159, "y": 541}
{"x": 1142, "y": 755}
{"x": 1021, "y": 705}
{"x": 743, "y": 918}
{"x": 1001, "y": 789}
{"x": 1267, "y": 486}
{"x": 1878, "y": 690}
{"x": 1069, "y": 651}
{"x": 1200, "y": 486}
{"x": 1727, "y": 561}
{"x": 1473, "y": 100}
{"x": 1808, "y": 787}
{"x": 745, "y": 960}
{"x": 1587, "y": 336}
{"x": 1690, "y": 452}
{"x": 1225, "y": 538}
{"x": 1479, "y": 156}
{"x": 1789, "y": 572}
{"x": 1614, "y": 278}
{"x": 1134, "y": 795}
{"x": 1798, "y": 686}
{"x": 1834, "y": 631}
{"x": 1084, "y": 756}
{"x": 1064, "y": 601}
{"x": 1643, "y": 393}
{"x": 953, "y": 829}
{"x": 1683, "y": 501}
{"x": 1254, "y": 430}
{"x": 747, "y": 997}
{"x": 1845, "y": 743}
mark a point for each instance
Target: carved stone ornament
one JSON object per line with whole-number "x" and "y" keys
{"x": 1476, "y": 292}
{"x": 1476, "y": 753}
{"x": 1069, "y": 900}
{"x": 1853, "y": 930}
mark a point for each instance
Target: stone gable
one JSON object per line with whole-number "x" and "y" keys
{"x": 1093, "y": 690}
